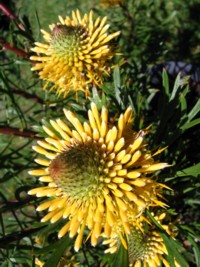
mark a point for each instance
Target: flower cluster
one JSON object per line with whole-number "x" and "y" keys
{"x": 99, "y": 175}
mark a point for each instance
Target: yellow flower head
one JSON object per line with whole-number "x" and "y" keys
{"x": 145, "y": 244}
{"x": 77, "y": 53}
{"x": 95, "y": 173}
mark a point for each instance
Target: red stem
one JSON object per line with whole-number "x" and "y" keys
{"x": 9, "y": 14}
{"x": 18, "y": 132}
{"x": 17, "y": 51}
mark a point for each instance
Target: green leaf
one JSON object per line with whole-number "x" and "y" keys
{"x": 173, "y": 247}
{"x": 195, "y": 249}
{"x": 62, "y": 245}
{"x": 120, "y": 259}
{"x": 194, "y": 111}
{"x": 165, "y": 81}
{"x": 190, "y": 171}
{"x": 179, "y": 82}
{"x": 190, "y": 124}
{"x": 117, "y": 83}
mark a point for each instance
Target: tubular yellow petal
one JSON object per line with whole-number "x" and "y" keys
{"x": 92, "y": 120}
{"x": 64, "y": 229}
{"x": 120, "y": 155}
{"x": 111, "y": 250}
{"x": 42, "y": 162}
{"x": 38, "y": 172}
{"x": 138, "y": 182}
{"x": 46, "y": 179}
{"x": 129, "y": 110}
{"x": 126, "y": 158}
{"x": 117, "y": 192}
{"x": 36, "y": 190}
{"x": 74, "y": 227}
{"x": 104, "y": 115}
{"x": 134, "y": 158}
{"x": 97, "y": 229}
{"x": 87, "y": 129}
{"x": 111, "y": 135}
{"x": 96, "y": 134}
{"x": 103, "y": 129}
{"x": 118, "y": 180}
{"x": 156, "y": 167}
{"x": 121, "y": 204}
{"x": 47, "y": 146}
{"x": 136, "y": 144}
{"x": 94, "y": 239}
{"x": 64, "y": 127}
{"x": 49, "y": 216}
{"x": 119, "y": 145}
{"x": 133, "y": 174}
{"x": 79, "y": 238}
{"x": 49, "y": 132}
{"x": 59, "y": 130}
{"x": 54, "y": 142}
{"x": 44, "y": 205}
{"x": 131, "y": 196}
{"x": 74, "y": 121}
{"x": 56, "y": 217}
{"x": 120, "y": 125}
{"x": 110, "y": 146}
{"x": 47, "y": 192}
{"x": 125, "y": 187}
{"x": 95, "y": 114}
{"x": 76, "y": 136}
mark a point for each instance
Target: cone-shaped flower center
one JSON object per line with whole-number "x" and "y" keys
{"x": 66, "y": 39}
{"x": 137, "y": 245}
{"x": 77, "y": 171}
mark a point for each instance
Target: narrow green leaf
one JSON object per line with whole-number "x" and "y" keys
{"x": 195, "y": 249}
{"x": 172, "y": 246}
{"x": 165, "y": 81}
{"x": 190, "y": 124}
{"x": 117, "y": 83}
{"x": 193, "y": 171}
{"x": 179, "y": 82}
{"x": 194, "y": 111}
{"x": 59, "y": 251}
{"x": 120, "y": 259}
{"x": 183, "y": 102}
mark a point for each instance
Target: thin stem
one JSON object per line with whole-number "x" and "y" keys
{"x": 18, "y": 132}
{"x": 15, "y": 50}
{"x": 11, "y": 16}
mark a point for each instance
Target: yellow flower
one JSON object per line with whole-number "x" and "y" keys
{"x": 77, "y": 53}
{"x": 145, "y": 244}
{"x": 96, "y": 173}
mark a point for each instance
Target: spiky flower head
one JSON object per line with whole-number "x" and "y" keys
{"x": 77, "y": 53}
{"x": 96, "y": 173}
{"x": 145, "y": 244}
